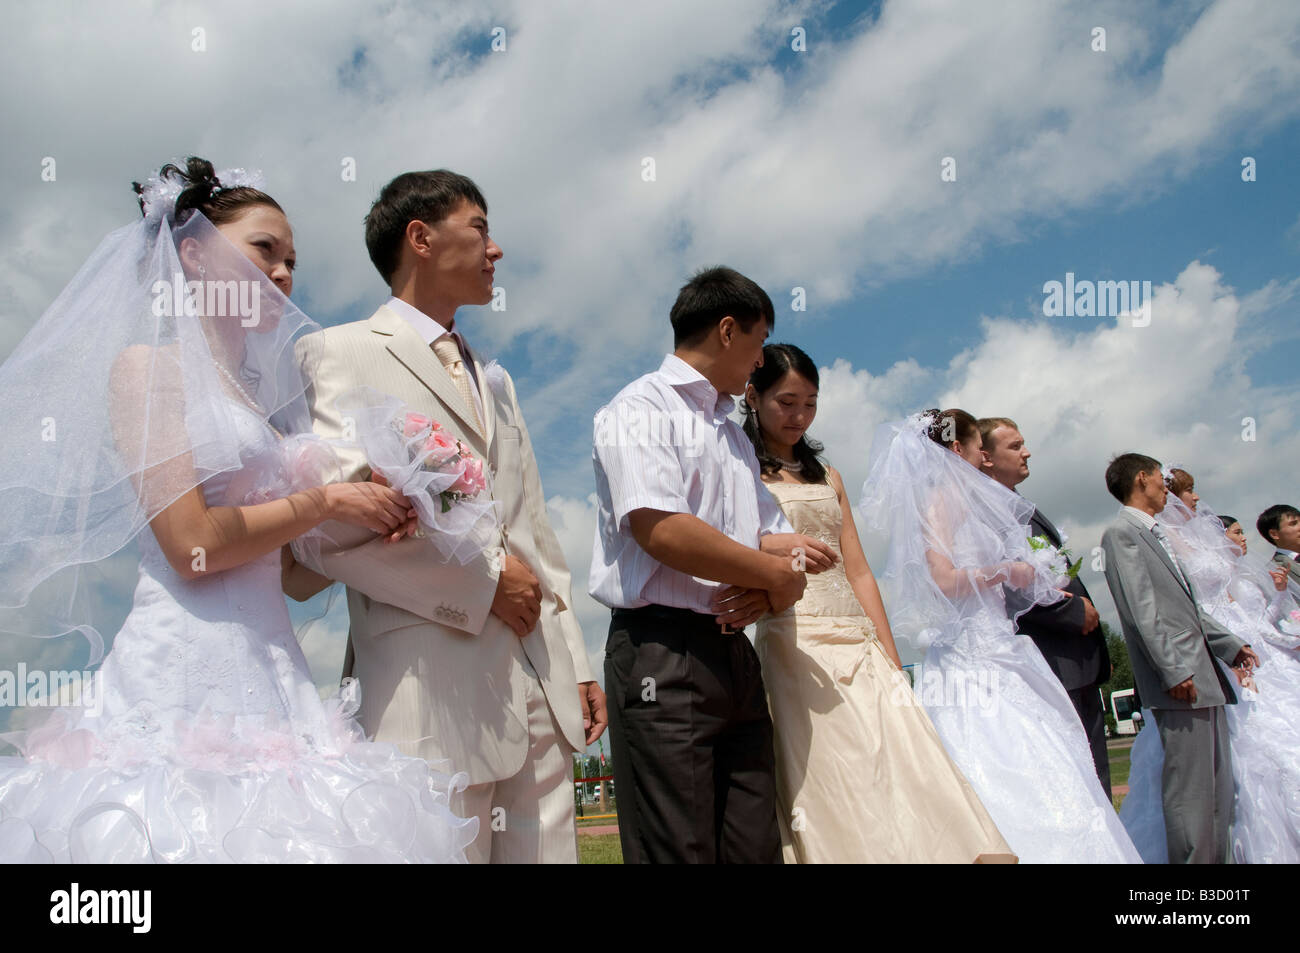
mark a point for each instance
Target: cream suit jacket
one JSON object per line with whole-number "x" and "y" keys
{"x": 441, "y": 677}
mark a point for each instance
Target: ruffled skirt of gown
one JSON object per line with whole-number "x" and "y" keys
{"x": 208, "y": 742}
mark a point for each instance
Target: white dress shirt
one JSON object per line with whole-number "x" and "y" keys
{"x": 666, "y": 442}
{"x": 430, "y": 331}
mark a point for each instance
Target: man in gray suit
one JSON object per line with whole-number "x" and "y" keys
{"x": 1171, "y": 645}
{"x": 1280, "y": 525}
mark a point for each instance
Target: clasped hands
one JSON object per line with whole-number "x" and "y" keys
{"x": 738, "y": 606}
{"x": 1242, "y": 665}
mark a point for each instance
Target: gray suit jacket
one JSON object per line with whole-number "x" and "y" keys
{"x": 1290, "y": 565}
{"x": 1169, "y": 638}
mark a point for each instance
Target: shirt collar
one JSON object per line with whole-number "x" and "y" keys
{"x": 695, "y": 387}
{"x": 425, "y": 326}
{"x": 1146, "y": 519}
{"x": 1289, "y": 554}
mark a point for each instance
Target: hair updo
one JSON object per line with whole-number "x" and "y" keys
{"x": 203, "y": 192}
{"x": 953, "y": 424}
{"x": 1179, "y": 481}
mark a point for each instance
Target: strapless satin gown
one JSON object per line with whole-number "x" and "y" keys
{"x": 210, "y": 742}
{"x": 862, "y": 776}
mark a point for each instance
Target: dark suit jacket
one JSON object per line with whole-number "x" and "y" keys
{"x": 1078, "y": 660}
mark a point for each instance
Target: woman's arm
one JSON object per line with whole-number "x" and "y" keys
{"x": 198, "y": 539}
{"x": 956, "y": 583}
{"x": 858, "y": 571}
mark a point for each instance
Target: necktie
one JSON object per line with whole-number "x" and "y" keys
{"x": 1158, "y": 532}
{"x": 449, "y": 353}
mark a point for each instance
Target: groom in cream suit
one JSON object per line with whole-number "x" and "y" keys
{"x": 479, "y": 665}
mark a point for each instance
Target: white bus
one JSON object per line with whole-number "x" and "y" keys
{"x": 1124, "y": 705}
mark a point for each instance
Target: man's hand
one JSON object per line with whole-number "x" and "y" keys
{"x": 1279, "y": 578}
{"x": 805, "y": 553}
{"x": 786, "y": 589}
{"x": 518, "y": 602}
{"x": 1185, "y": 692}
{"x": 737, "y": 607}
{"x": 1091, "y": 618}
{"x": 595, "y": 716}
{"x": 1246, "y": 658}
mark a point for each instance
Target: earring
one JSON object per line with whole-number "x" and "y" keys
{"x": 202, "y": 271}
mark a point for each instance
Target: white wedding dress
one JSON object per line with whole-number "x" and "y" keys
{"x": 1010, "y": 727}
{"x": 211, "y": 743}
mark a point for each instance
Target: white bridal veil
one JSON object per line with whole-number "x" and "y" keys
{"x": 958, "y": 540}
{"x": 123, "y": 397}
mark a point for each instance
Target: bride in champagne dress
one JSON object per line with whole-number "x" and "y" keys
{"x": 862, "y": 776}
{"x": 202, "y": 737}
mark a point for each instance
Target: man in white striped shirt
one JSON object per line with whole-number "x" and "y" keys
{"x": 690, "y": 548}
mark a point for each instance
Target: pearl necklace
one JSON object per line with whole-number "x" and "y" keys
{"x": 243, "y": 393}
{"x": 794, "y": 466}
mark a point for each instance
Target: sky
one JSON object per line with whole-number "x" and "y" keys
{"x": 915, "y": 172}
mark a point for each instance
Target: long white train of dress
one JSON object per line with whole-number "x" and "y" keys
{"x": 208, "y": 741}
{"x": 1010, "y": 727}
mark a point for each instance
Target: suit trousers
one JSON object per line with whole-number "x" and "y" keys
{"x": 1196, "y": 786}
{"x": 527, "y": 818}
{"x": 1087, "y": 702}
{"x": 694, "y": 767}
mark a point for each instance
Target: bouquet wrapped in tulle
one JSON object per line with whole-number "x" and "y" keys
{"x": 445, "y": 482}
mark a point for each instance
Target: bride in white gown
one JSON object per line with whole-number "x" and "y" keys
{"x": 205, "y": 738}
{"x": 959, "y": 553}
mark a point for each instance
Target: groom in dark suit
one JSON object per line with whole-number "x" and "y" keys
{"x": 1068, "y": 633}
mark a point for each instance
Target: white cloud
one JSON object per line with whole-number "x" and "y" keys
{"x": 1083, "y": 390}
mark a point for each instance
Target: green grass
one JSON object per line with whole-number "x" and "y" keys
{"x": 605, "y": 849}
{"x": 599, "y": 849}
{"x": 1119, "y": 766}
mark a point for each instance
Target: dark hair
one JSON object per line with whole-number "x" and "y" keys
{"x": 1271, "y": 520}
{"x": 1179, "y": 481}
{"x": 778, "y": 360}
{"x": 1227, "y": 521}
{"x": 203, "y": 192}
{"x": 955, "y": 422}
{"x": 711, "y": 295}
{"x": 1124, "y": 469}
{"x": 424, "y": 196}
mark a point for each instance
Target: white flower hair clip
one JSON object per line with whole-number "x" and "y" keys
{"x": 159, "y": 195}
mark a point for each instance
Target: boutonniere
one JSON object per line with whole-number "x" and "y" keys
{"x": 1057, "y": 560}
{"x": 495, "y": 375}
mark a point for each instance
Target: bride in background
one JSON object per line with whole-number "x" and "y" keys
{"x": 168, "y": 367}
{"x": 958, "y": 542}
{"x": 861, "y": 775}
